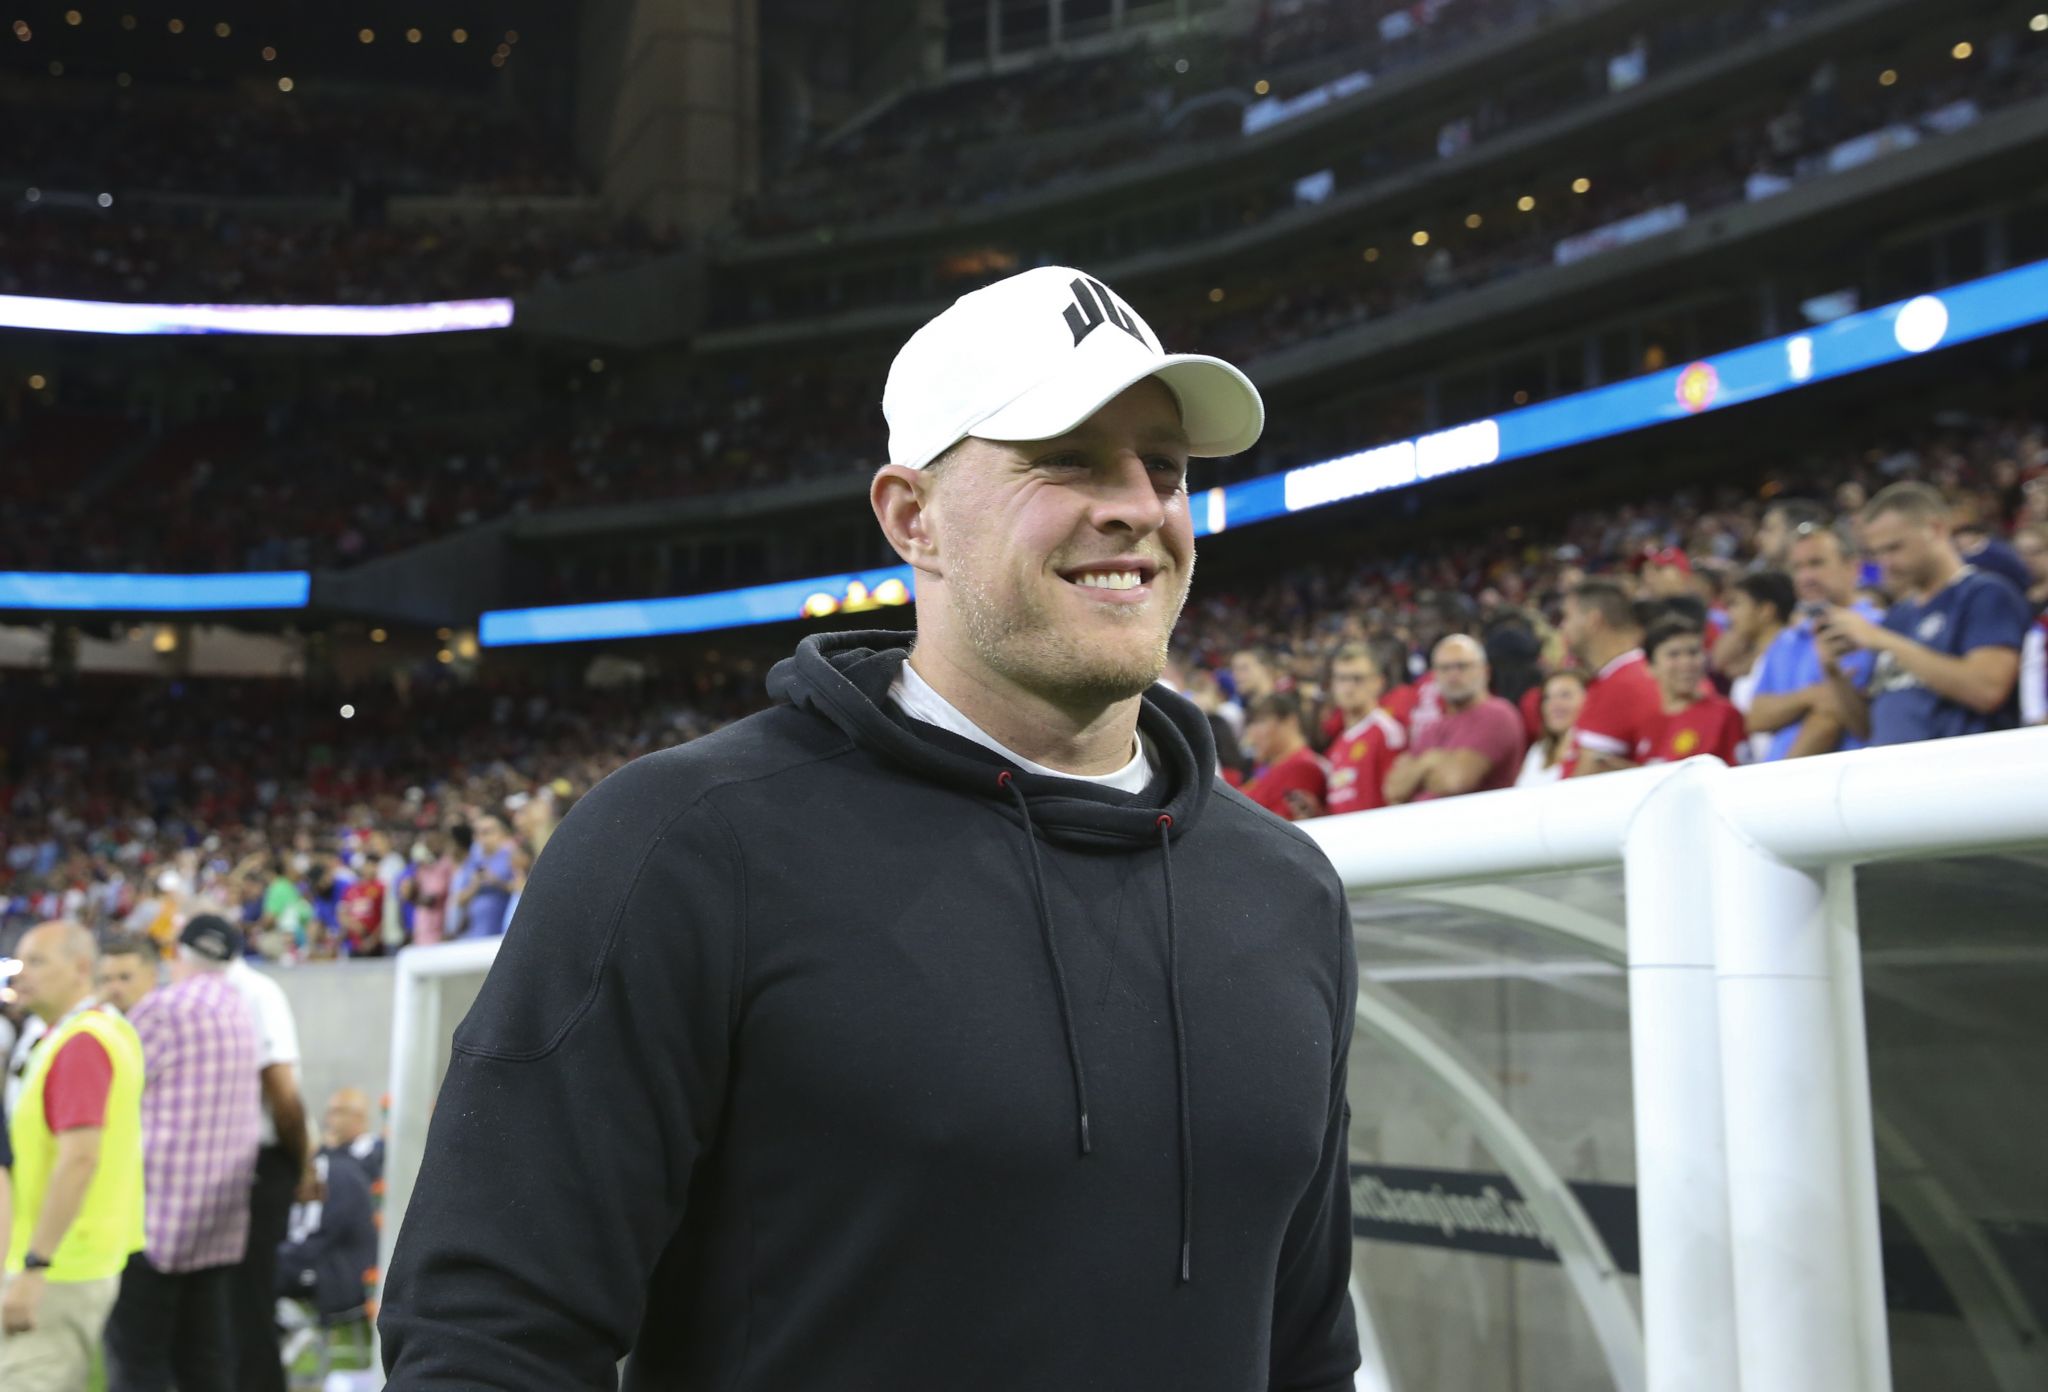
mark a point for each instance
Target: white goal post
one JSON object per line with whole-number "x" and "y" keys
{"x": 435, "y": 988}
{"x": 1745, "y": 989}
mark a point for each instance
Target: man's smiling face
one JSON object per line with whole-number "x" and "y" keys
{"x": 1064, "y": 563}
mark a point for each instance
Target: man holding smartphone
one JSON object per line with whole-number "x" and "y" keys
{"x": 1948, "y": 653}
{"x": 1794, "y": 703}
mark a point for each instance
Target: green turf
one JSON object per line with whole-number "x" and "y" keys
{"x": 351, "y": 1353}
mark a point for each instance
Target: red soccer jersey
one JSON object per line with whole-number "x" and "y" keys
{"x": 362, "y": 914}
{"x": 1359, "y": 760}
{"x": 1710, "y": 725}
{"x": 1416, "y": 705}
{"x": 1623, "y": 709}
{"x": 1300, "y": 772}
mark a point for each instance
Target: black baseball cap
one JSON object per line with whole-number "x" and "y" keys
{"x": 212, "y": 937}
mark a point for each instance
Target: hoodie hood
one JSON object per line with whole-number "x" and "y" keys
{"x": 844, "y": 678}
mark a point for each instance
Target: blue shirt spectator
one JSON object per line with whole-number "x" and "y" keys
{"x": 1792, "y": 663}
{"x": 493, "y": 879}
{"x": 1975, "y": 610}
{"x": 1790, "y": 675}
{"x": 1948, "y": 654}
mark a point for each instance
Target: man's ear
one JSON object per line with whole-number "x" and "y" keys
{"x": 902, "y": 499}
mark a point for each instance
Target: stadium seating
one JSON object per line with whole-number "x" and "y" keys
{"x": 120, "y": 780}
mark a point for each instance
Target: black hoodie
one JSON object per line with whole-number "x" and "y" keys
{"x": 829, "y": 1052}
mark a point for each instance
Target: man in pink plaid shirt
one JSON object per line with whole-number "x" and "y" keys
{"x": 201, "y": 1117}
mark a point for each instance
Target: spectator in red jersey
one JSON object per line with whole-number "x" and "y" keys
{"x": 1416, "y": 704}
{"x": 1623, "y": 705}
{"x": 1364, "y": 749}
{"x": 1667, "y": 574}
{"x": 1697, "y": 720}
{"x": 1475, "y": 747}
{"x": 361, "y": 915}
{"x": 1293, "y": 781}
{"x": 1564, "y": 695}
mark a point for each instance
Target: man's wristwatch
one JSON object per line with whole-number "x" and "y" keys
{"x": 32, "y": 1262}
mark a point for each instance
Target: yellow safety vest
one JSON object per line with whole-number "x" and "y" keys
{"x": 109, "y": 1223}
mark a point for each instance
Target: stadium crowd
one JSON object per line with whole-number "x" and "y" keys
{"x": 248, "y": 142}
{"x": 956, "y": 145}
{"x": 186, "y": 194}
{"x": 1317, "y": 296}
{"x": 1825, "y": 123}
{"x": 415, "y": 818}
{"x": 215, "y": 254}
{"x": 357, "y": 467}
{"x": 361, "y": 470}
{"x": 57, "y": 239}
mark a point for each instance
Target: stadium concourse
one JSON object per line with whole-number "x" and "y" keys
{"x": 379, "y": 391}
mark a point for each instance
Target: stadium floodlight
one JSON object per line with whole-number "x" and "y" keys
{"x": 306, "y": 321}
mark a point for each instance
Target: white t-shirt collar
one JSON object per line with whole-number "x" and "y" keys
{"x": 916, "y": 698}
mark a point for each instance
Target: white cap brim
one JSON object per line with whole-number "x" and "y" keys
{"x": 1220, "y": 408}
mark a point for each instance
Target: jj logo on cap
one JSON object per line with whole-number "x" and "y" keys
{"x": 1093, "y": 304}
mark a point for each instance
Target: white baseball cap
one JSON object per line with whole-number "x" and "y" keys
{"x": 1033, "y": 356}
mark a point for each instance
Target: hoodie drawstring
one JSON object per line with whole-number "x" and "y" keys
{"x": 1052, "y": 952}
{"x": 1180, "y": 1057}
{"x": 1180, "y": 1034}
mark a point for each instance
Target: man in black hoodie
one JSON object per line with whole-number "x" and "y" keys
{"x": 949, "y": 1025}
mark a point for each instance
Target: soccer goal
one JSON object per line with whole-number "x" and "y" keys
{"x": 1695, "y": 1077}
{"x": 435, "y": 989}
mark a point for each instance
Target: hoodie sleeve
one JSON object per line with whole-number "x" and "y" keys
{"x": 1315, "y": 1334}
{"x": 583, "y": 1091}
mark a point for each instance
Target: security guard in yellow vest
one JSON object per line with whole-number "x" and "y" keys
{"x": 77, "y": 1140}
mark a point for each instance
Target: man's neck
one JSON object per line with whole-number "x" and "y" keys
{"x": 1943, "y": 575}
{"x": 1608, "y": 648}
{"x": 1677, "y": 705}
{"x": 1352, "y": 717}
{"x": 1460, "y": 707}
{"x": 54, "y": 1011}
{"x": 1088, "y": 741}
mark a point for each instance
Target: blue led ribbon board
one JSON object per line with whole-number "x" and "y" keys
{"x": 853, "y": 593}
{"x": 154, "y": 594}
